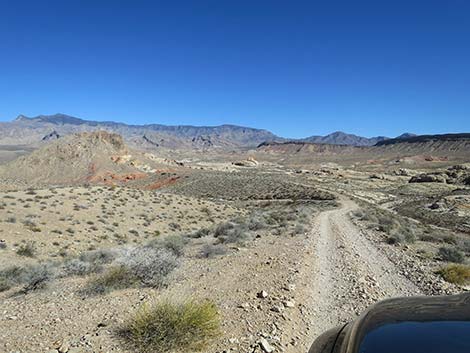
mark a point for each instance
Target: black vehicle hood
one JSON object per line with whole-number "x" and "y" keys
{"x": 406, "y": 320}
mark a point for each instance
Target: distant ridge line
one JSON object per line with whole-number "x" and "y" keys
{"x": 425, "y": 138}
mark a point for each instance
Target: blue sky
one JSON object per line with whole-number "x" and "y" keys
{"x": 297, "y": 68}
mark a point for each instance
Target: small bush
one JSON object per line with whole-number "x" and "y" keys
{"x": 456, "y": 273}
{"x": 99, "y": 257}
{"x": 37, "y": 277}
{"x": 401, "y": 235}
{"x": 115, "y": 278}
{"x": 451, "y": 254}
{"x": 256, "y": 224}
{"x": 203, "y": 232}
{"x": 358, "y": 214}
{"x": 168, "y": 327}
{"x": 77, "y": 267}
{"x": 4, "y": 285}
{"x": 210, "y": 250}
{"x": 11, "y": 220}
{"x": 151, "y": 266}
{"x": 28, "y": 249}
{"x": 223, "y": 229}
{"x": 231, "y": 233}
{"x": 300, "y": 229}
{"x": 174, "y": 243}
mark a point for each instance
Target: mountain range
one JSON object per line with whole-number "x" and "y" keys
{"x": 32, "y": 130}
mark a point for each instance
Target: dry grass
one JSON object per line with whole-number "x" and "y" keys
{"x": 455, "y": 273}
{"x": 169, "y": 327}
{"x": 118, "y": 277}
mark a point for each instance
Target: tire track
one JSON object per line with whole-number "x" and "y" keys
{"x": 346, "y": 274}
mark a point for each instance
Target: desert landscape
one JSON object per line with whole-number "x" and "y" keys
{"x": 255, "y": 242}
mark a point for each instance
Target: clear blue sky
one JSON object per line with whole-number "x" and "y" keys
{"x": 296, "y": 68}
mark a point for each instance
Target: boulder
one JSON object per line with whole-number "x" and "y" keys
{"x": 428, "y": 178}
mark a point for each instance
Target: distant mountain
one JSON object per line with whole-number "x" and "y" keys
{"x": 26, "y": 130}
{"x": 44, "y": 128}
{"x": 405, "y": 135}
{"x": 341, "y": 138}
{"x": 464, "y": 137}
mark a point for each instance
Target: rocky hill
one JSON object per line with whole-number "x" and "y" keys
{"x": 414, "y": 139}
{"x": 421, "y": 151}
{"x": 88, "y": 157}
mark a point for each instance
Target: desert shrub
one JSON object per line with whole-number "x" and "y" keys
{"x": 358, "y": 214}
{"x": 174, "y": 226}
{"x": 223, "y": 228}
{"x": 465, "y": 245}
{"x": 300, "y": 229}
{"x": 12, "y": 273}
{"x": 28, "y": 249}
{"x": 402, "y": 235}
{"x": 10, "y": 276}
{"x": 3, "y": 245}
{"x": 77, "y": 267}
{"x": 4, "y": 285}
{"x": 429, "y": 238}
{"x": 114, "y": 278}
{"x": 174, "y": 243}
{"x": 203, "y": 232}
{"x": 211, "y": 250}
{"x": 255, "y": 224}
{"x": 36, "y": 277}
{"x": 168, "y": 327}
{"x": 231, "y": 233}
{"x": 99, "y": 257}
{"x": 451, "y": 254}
{"x": 150, "y": 265}
{"x": 387, "y": 224}
{"x": 11, "y": 220}
{"x": 456, "y": 273}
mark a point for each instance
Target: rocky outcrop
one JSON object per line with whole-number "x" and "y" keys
{"x": 457, "y": 174}
{"x": 51, "y": 136}
{"x": 249, "y": 162}
{"x": 428, "y": 178}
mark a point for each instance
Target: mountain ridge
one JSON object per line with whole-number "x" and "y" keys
{"x": 27, "y": 130}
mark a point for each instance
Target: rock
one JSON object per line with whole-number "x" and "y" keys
{"x": 244, "y": 306}
{"x": 64, "y": 347}
{"x": 402, "y": 172}
{"x": 428, "y": 178}
{"x": 377, "y": 176}
{"x": 290, "y": 287}
{"x": 263, "y": 294}
{"x": 265, "y": 346}
{"x": 289, "y": 304}
{"x": 249, "y": 162}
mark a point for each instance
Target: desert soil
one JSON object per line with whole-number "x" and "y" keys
{"x": 310, "y": 283}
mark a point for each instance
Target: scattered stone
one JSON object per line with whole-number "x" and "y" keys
{"x": 64, "y": 347}
{"x": 263, "y": 294}
{"x": 265, "y": 346}
{"x": 289, "y": 304}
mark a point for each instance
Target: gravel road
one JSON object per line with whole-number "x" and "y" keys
{"x": 346, "y": 274}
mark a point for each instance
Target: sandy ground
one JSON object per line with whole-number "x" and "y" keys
{"x": 312, "y": 282}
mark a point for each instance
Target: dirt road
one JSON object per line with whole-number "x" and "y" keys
{"x": 343, "y": 275}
